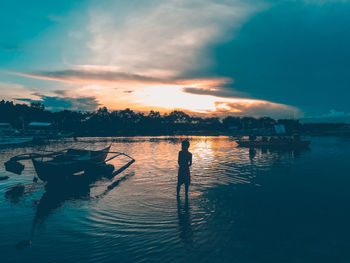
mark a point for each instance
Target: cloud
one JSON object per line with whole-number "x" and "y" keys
{"x": 102, "y": 75}
{"x": 91, "y": 76}
{"x": 217, "y": 91}
{"x": 10, "y": 90}
{"x": 172, "y": 97}
{"x": 155, "y": 42}
{"x": 302, "y": 62}
{"x": 207, "y": 96}
{"x": 257, "y": 108}
{"x": 56, "y": 103}
{"x": 60, "y": 92}
{"x": 10, "y": 86}
{"x": 156, "y": 50}
{"x": 164, "y": 38}
{"x": 271, "y": 55}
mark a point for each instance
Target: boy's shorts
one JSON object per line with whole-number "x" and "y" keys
{"x": 184, "y": 176}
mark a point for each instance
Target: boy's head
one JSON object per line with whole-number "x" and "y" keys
{"x": 185, "y": 145}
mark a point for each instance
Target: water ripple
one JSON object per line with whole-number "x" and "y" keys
{"x": 136, "y": 216}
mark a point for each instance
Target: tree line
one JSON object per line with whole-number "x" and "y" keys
{"x": 103, "y": 122}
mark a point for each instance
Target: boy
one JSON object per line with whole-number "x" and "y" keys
{"x": 184, "y": 161}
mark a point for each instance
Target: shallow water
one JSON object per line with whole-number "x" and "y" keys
{"x": 244, "y": 206}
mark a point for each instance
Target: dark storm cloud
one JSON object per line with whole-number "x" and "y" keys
{"x": 294, "y": 53}
{"x": 55, "y": 103}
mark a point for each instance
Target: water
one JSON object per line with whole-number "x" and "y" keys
{"x": 244, "y": 206}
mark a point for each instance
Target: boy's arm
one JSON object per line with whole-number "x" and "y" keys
{"x": 191, "y": 160}
{"x": 178, "y": 159}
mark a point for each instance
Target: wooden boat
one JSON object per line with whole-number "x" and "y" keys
{"x": 73, "y": 165}
{"x": 273, "y": 142}
{"x": 68, "y": 163}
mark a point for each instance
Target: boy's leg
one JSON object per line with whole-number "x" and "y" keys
{"x": 178, "y": 189}
{"x": 187, "y": 183}
{"x": 186, "y": 189}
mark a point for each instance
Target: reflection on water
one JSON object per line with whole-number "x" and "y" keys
{"x": 184, "y": 216}
{"x": 244, "y": 205}
{"x": 54, "y": 197}
{"x": 50, "y": 201}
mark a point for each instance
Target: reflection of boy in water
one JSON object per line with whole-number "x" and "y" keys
{"x": 184, "y": 161}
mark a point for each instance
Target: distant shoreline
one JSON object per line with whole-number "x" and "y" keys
{"x": 105, "y": 123}
{"x": 205, "y": 135}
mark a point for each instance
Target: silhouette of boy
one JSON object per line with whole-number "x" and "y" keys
{"x": 184, "y": 161}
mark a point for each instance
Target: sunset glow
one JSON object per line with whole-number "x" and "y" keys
{"x": 211, "y": 58}
{"x": 142, "y": 62}
{"x": 119, "y": 90}
{"x": 173, "y": 97}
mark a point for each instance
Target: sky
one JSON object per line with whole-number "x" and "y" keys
{"x": 283, "y": 59}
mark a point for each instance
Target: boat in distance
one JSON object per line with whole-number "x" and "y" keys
{"x": 12, "y": 137}
{"x": 13, "y": 141}
{"x": 273, "y": 142}
{"x": 42, "y": 131}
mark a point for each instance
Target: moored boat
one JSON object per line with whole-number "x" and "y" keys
{"x": 67, "y": 163}
{"x": 74, "y": 165}
{"x": 282, "y": 138}
{"x": 42, "y": 131}
{"x": 273, "y": 142}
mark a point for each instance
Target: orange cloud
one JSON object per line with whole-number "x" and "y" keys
{"x": 118, "y": 90}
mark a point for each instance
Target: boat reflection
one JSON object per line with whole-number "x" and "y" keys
{"x": 52, "y": 199}
{"x": 55, "y": 196}
{"x": 255, "y": 152}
